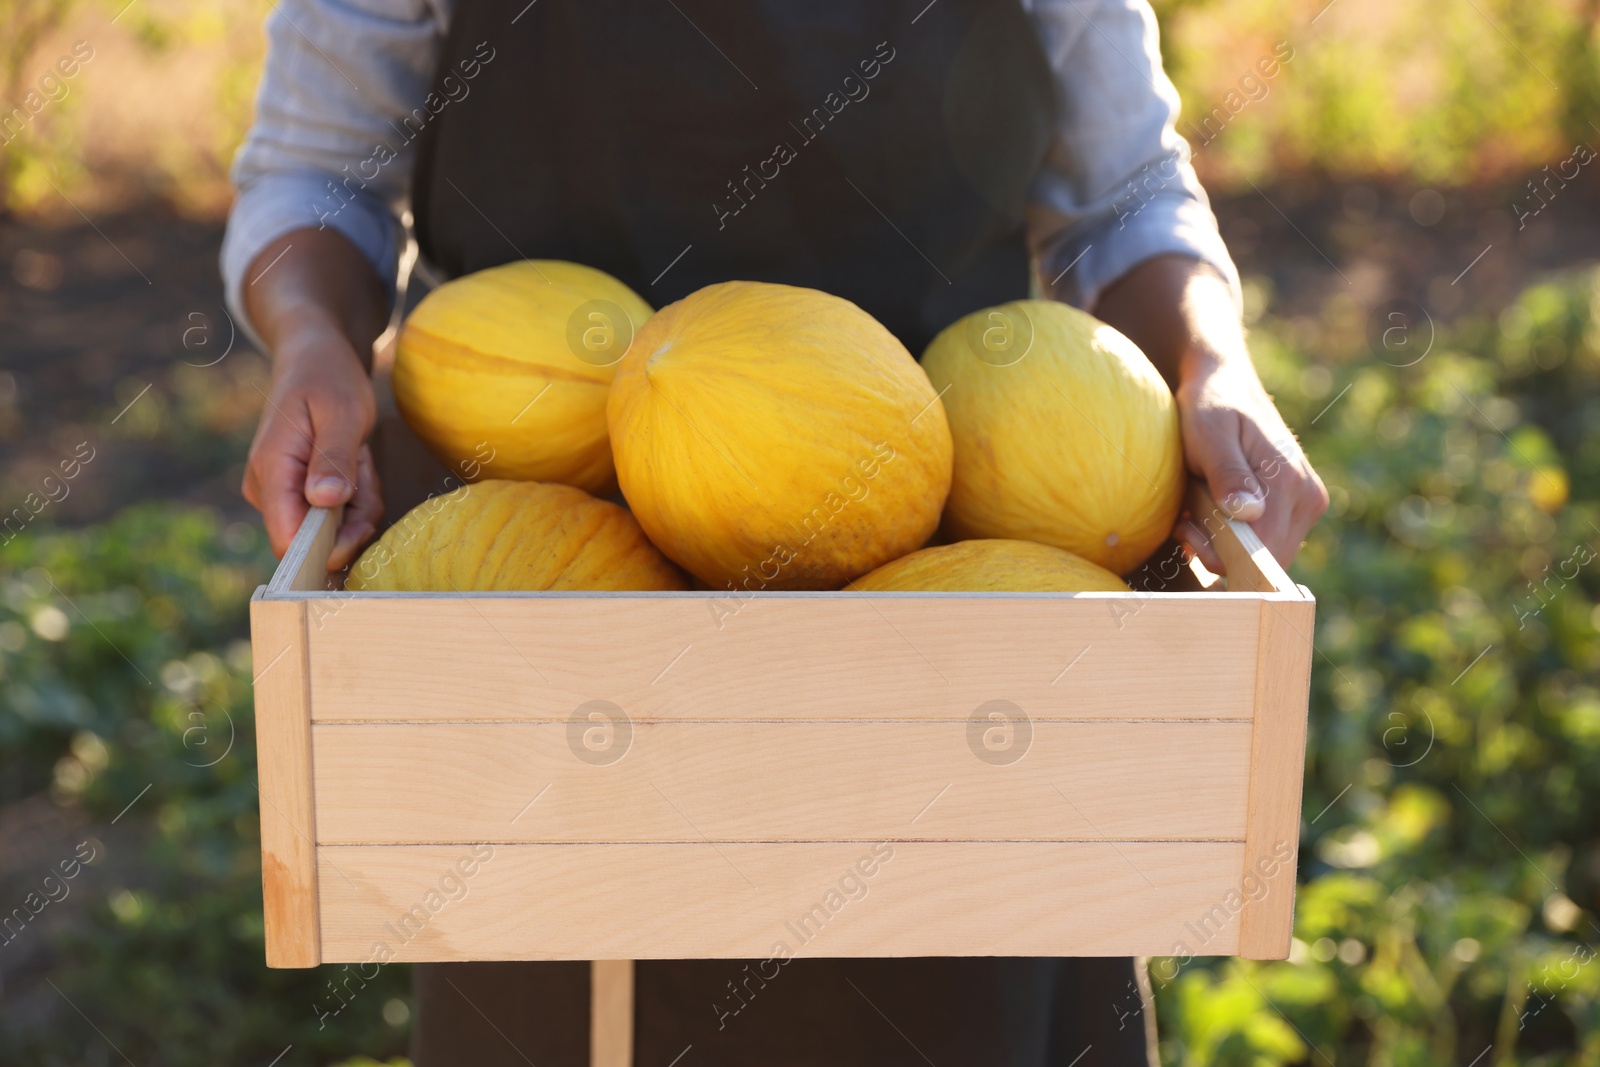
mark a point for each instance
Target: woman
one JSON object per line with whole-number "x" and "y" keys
{"x": 922, "y": 159}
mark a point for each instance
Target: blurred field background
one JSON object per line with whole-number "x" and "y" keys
{"x": 1408, "y": 151}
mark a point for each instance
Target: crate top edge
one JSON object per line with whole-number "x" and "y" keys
{"x": 1222, "y": 596}
{"x": 302, "y": 564}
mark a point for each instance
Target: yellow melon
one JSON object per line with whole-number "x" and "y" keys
{"x": 1064, "y": 433}
{"x": 991, "y": 566}
{"x": 770, "y": 437}
{"x": 504, "y": 373}
{"x": 514, "y": 535}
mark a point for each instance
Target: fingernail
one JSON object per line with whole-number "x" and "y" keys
{"x": 329, "y": 484}
{"x": 1234, "y": 503}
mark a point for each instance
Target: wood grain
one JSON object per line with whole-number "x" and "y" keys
{"x": 611, "y": 1013}
{"x": 1272, "y": 835}
{"x": 774, "y": 739}
{"x": 509, "y": 782}
{"x": 756, "y": 900}
{"x": 833, "y": 656}
{"x": 283, "y": 762}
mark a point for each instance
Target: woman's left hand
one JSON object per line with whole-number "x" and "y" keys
{"x": 1234, "y": 438}
{"x": 1181, "y": 313}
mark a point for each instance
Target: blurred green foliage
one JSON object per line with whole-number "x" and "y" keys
{"x": 126, "y": 664}
{"x": 1442, "y": 94}
{"x": 1451, "y": 833}
{"x": 23, "y": 24}
{"x": 157, "y": 112}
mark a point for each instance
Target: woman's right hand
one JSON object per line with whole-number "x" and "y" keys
{"x": 318, "y": 305}
{"x": 310, "y": 446}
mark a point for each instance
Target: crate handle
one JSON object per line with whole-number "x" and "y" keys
{"x": 304, "y": 568}
{"x": 1250, "y": 566}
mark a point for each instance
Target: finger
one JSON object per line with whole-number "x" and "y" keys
{"x": 283, "y": 505}
{"x": 277, "y": 473}
{"x": 1286, "y": 482}
{"x": 1198, "y": 543}
{"x": 251, "y": 487}
{"x": 338, "y": 428}
{"x": 367, "y": 505}
{"x": 1310, "y": 505}
{"x": 1273, "y": 530}
{"x": 1218, "y": 454}
{"x": 361, "y": 517}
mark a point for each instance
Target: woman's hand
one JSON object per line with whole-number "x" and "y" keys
{"x": 1182, "y": 315}
{"x": 318, "y": 305}
{"x": 310, "y": 449}
{"x": 1234, "y": 438}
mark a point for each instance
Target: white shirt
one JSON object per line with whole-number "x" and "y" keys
{"x": 1116, "y": 187}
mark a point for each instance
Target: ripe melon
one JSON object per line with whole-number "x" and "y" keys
{"x": 991, "y": 566}
{"x": 505, "y": 535}
{"x": 771, "y": 437}
{"x": 1064, "y": 433}
{"x": 504, "y": 373}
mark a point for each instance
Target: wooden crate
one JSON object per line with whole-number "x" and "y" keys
{"x": 497, "y": 776}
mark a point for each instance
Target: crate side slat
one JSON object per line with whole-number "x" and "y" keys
{"x": 701, "y": 900}
{"x": 283, "y": 763}
{"x": 1272, "y": 836}
{"x": 795, "y": 781}
{"x": 802, "y": 658}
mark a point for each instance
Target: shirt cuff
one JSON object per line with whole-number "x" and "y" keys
{"x": 1079, "y": 264}
{"x": 279, "y": 203}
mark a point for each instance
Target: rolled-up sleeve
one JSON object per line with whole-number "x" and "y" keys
{"x": 329, "y": 147}
{"x": 1117, "y": 187}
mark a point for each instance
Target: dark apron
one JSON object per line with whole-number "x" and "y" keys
{"x": 881, "y": 151}
{"x": 677, "y": 143}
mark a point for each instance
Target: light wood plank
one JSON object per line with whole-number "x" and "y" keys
{"x": 611, "y": 1013}
{"x": 1272, "y": 836}
{"x": 1250, "y": 565}
{"x": 283, "y": 764}
{"x": 754, "y": 901}
{"x": 304, "y": 567}
{"x": 504, "y": 782}
{"x": 849, "y": 656}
